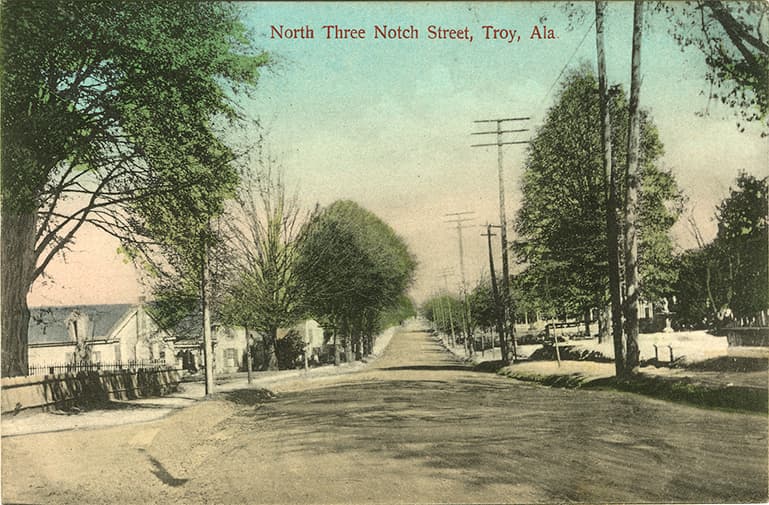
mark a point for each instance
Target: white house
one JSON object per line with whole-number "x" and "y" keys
{"x": 229, "y": 343}
{"x": 117, "y": 333}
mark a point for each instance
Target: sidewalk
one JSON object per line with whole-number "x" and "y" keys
{"x": 150, "y": 409}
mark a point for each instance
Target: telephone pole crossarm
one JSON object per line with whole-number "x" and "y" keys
{"x": 506, "y": 297}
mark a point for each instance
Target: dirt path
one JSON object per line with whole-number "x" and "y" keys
{"x": 416, "y": 427}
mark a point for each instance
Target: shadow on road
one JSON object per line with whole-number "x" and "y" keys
{"x": 426, "y": 367}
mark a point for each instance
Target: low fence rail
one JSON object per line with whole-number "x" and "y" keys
{"x": 85, "y": 366}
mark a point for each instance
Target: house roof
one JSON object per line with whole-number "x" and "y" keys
{"x": 48, "y": 325}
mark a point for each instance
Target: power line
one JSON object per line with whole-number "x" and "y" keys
{"x": 568, "y": 62}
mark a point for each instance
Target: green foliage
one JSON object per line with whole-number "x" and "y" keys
{"x": 263, "y": 290}
{"x": 444, "y": 311}
{"x": 403, "y": 309}
{"x": 733, "y": 38}
{"x": 742, "y": 244}
{"x": 483, "y": 309}
{"x": 730, "y": 272}
{"x": 113, "y": 105}
{"x": 350, "y": 263}
{"x": 562, "y": 223}
{"x": 111, "y": 115}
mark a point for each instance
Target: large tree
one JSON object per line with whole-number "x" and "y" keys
{"x": 741, "y": 246}
{"x": 263, "y": 292}
{"x": 561, "y": 222}
{"x": 352, "y": 266}
{"x": 107, "y": 106}
{"x": 731, "y": 271}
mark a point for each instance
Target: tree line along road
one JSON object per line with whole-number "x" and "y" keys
{"x": 417, "y": 426}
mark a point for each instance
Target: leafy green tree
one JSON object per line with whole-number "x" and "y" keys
{"x": 733, "y": 38}
{"x": 263, "y": 291}
{"x": 444, "y": 311}
{"x": 351, "y": 266}
{"x": 106, "y": 107}
{"x": 561, "y": 223}
{"x": 741, "y": 244}
{"x": 483, "y": 309}
{"x": 731, "y": 271}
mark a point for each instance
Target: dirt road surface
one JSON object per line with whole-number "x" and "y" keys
{"x": 416, "y": 427}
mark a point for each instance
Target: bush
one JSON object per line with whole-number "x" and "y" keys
{"x": 289, "y": 350}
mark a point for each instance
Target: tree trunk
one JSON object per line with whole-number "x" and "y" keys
{"x": 272, "y": 355}
{"x": 587, "y": 321}
{"x": 18, "y": 265}
{"x": 610, "y": 176}
{"x": 348, "y": 357}
{"x": 631, "y": 202}
{"x": 336, "y": 348}
{"x": 249, "y": 364}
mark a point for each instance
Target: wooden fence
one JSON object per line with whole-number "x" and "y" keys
{"x": 62, "y": 391}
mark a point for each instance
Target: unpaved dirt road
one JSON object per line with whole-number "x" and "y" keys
{"x": 415, "y": 427}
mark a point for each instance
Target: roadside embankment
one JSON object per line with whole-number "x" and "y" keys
{"x": 724, "y": 382}
{"x": 735, "y": 390}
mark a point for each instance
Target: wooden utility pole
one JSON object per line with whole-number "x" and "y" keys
{"x": 610, "y": 179}
{"x": 507, "y": 299}
{"x": 631, "y": 201}
{"x": 208, "y": 348}
{"x": 249, "y": 365}
{"x": 499, "y": 315}
{"x": 448, "y": 302}
{"x": 465, "y": 308}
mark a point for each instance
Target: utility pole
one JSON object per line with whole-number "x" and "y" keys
{"x": 465, "y": 309}
{"x": 507, "y": 299}
{"x": 208, "y": 350}
{"x": 610, "y": 178}
{"x": 499, "y": 313}
{"x": 448, "y": 302}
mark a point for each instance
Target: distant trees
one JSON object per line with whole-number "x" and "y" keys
{"x": 445, "y": 312}
{"x": 108, "y": 119}
{"x": 731, "y": 271}
{"x": 351, "y": 266}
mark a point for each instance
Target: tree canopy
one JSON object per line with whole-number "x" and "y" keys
{"x": 561, "y": 223}
{"x": 111, "y": 114}
{"x": 352, "y": 265}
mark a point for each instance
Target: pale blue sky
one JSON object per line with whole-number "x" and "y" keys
{"x": 387, "y": 123}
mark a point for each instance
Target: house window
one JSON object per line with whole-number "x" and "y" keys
{"x": 96, "y": 357}
{"x": 117, "y": 353}
{"x": 231, "y": 357}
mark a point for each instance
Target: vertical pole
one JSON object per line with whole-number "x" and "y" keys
{"x": 495, "y": 291}
{"x": 506, "y": 298}
{"x": 306, "y": 345}
{"x": 208, "y": 349}
{"x": 465, "y": 315}
{"x": 610, "y": 178}
{"x": 631, "y": 202}
{"x": 249, "y": 365}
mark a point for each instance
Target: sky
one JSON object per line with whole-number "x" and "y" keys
{"x": 388, "y": 123}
